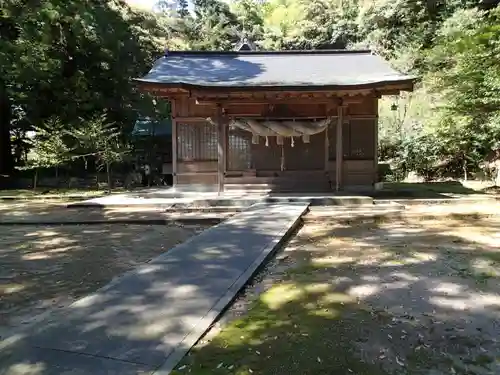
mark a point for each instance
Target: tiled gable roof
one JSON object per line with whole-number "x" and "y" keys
{"x": 343, "y": 68}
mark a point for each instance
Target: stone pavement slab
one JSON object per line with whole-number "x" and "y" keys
{"x": 29, "y": 360}
{"x": 150, "y": 317}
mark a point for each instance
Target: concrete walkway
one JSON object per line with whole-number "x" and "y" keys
{"x": 145, "y": 321}
{"x": 169, "y": 199}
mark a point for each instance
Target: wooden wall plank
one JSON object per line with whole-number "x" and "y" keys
{"x": 173, "y": 108}
{"x": 199, "y": 178}
{"x": 221, "y": 149}
{"x": 338, "y": 147}
{"x": 196, "y": 166}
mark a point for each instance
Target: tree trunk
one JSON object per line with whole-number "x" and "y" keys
{"x": 464, "y": 166}
{"x": 35, "y": 179}
{"x": 108, "y": 172}
{"x": 6, "y": 159}
{"x": 497, "y": 178}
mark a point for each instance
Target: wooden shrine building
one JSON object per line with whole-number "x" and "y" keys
{"x": 292, "y": 120}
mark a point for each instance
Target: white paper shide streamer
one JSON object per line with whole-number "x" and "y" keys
{"x": 280, "y": 129}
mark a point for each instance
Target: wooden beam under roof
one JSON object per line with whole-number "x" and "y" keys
{"x": 256, "y": 100}
{"x": 209, "y": 95}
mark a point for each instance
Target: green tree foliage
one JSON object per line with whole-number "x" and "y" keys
{"x": 182, "y": 8}
{"x": 214, "y": 26}
{"x": 464, "y": 71}
{"x": 404, "y": 29}
{"x": 464, "y": 64}
{"x": 101, "y": 140}
{"x": 74, "y": 61}
{"x": 70, "y": 60}
{"x": 250, "y": 18}
{"x": 48, "y": 147}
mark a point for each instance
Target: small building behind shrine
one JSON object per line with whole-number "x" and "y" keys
{"x": 152, "y": 144}
{"x": 289, "y": 120}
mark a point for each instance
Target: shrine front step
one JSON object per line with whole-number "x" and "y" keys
{"x": 312, "y": 199}
{"x": 312, "y": 183}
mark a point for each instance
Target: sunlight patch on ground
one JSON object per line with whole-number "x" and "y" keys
{"x": 42, "y": 233}
{"x": 469, "y": 301}
{"x": 278, "y": 296}
{"x": 364, "y": 290}
{"x": 11, "y": 288}
{"x": 331, "y": 298}
{"x": 47, "y": 254}
{"x": 27, "y": 368}
{"x": 485, "y": 267}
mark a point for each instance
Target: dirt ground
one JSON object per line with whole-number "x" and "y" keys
{"x": 406, "y": 296}
{"x": 47, "y": 267}
{"x": 434, "y": 281}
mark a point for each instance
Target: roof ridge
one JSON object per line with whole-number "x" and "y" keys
{"x": 269, "y": 53}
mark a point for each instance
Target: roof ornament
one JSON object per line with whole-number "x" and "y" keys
{"x": 245, "y": 44}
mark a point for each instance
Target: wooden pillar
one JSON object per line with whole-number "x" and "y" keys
{"x": 339, "y": 156}
{"x": 327, "y": 149}
{"x": 174, "y": 143}
{"x": 221, "y": 149}
{"x": 330, "y": 111}
{"x": 375, "y": 156}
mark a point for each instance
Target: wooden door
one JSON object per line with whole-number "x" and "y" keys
{"x": 266, "y": 158}
{"x": 305, "y": 156}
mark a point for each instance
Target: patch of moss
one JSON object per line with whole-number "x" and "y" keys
{"x": 294, "y": 328}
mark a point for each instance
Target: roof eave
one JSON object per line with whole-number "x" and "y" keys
{"x": 407, "y": 84}
{"x": 261, "y": 52}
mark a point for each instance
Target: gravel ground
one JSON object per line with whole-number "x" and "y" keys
{"x": 48, "y": 267}
{"x": 427, "y": 291}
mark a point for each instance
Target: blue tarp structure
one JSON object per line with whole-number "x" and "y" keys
{"x": 148, "y": 127}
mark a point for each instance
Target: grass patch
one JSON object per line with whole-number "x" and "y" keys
{"x": 301, "y": 326}
{"x": 435, "y": 189}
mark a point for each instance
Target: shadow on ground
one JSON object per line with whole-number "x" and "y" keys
{"x": 402, "y": 297}
{"x": 46, "y": 267}
{"x": 133, "y": 324}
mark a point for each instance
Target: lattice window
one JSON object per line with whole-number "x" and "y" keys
{"x": 197, "y": 142}
{"x": 239, "y": 156}
{"x": 359, "y": 140}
